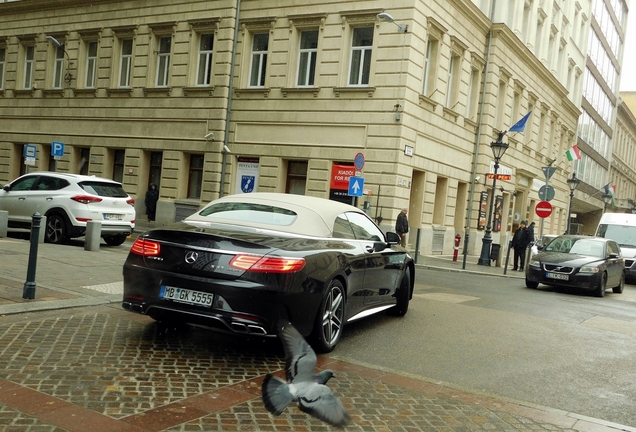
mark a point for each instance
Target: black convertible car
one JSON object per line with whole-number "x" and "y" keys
{"x": 588, "y": 263}
{"x": 246, "y": 261}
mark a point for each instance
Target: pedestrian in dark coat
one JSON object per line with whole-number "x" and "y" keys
{"x": 402, "y": 226}
{"x": 152, "y": 196}
{"x": 519, "y": 246}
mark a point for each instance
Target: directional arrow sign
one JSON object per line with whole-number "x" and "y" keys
{"x": 356, "y": 186}
{"x": 543, "y": 209}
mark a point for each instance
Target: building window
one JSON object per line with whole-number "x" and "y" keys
{"x": 430, "y": 64}
{"x": 260, "y": 45}
{"x": 85, "y": 154}
{"x": 58, "y": 68}
{"x": 206, "y": 44}
{"x": 118, "y": 165}
{"x": 91, "y": 64}
{"x": 195, "y": 176}
{"x": 307, "y": 58}
{"x": 361, "y": 49}
{"x": 296, "y": 177}
{"x": 154, "y": 174}
{"x": 2, "y": 67}
{"x": 453, "y": 81}
{"x": 163, "y": 61}
{"x": 473, "y": 91}
{"x": 29, "y": 59}
{"x": 125, "y": 62}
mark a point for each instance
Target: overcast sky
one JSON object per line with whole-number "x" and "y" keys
{"x": 628, "y": 72}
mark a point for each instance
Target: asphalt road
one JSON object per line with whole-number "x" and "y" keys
{"x": 564, "y": 350}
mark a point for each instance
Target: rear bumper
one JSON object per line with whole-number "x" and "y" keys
{"x": 105, "y": 230}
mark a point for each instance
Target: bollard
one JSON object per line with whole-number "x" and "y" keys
{"x": 507, "y": 257}
{"x": 42, "y": 230}
{"x": 93, "y": 235}
{"x": 4, "y": 223}
{"x": 28, "y": 292}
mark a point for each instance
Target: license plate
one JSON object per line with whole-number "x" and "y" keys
{"x": 113, "y": 217}
{"x": 183, "y": 295}
{"x": 557, "y": 276}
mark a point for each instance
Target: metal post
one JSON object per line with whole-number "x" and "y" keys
{"x": 484, "y": 258}
{"x": 507, "y": 257}
{"x": 570, "y": 211}
{"x": 28, "y": 292}
{"x": 417, "y": 244}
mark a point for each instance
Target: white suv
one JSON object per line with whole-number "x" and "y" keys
{"x": 69, "y": 201}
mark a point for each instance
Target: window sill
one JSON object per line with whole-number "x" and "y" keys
{"x": 53, "y": 92}
{"x": 369, "y": 90}
{"x": 314, "y": 90}
{"x": 24, "y": 92}
{"x": 257, "y": 90}
{"x": 85, "y": 91}
{"x": 157, "y": 91}
{"x": 198, "y": 90}
{"x": 430, "y": 103}
{"x": 119, "y": 91}
{"x": 450, "y": 115}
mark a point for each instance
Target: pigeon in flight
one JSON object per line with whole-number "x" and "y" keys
{"x": 303, "y": 385}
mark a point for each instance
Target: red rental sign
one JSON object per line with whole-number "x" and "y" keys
{"x": 340, "y": 176}
{"x": 543, "y": 209}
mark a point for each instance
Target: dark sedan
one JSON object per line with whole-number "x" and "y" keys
{"x": 588, "y": 263}
{"x": 246, "y": 261}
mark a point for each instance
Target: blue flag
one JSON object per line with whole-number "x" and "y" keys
{"x": 521, "y": 124}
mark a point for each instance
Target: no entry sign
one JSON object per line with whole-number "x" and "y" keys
{"x": 543, "y": 209}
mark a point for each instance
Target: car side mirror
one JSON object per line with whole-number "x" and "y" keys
{"x": 6, "y": 188}
{"x": 393, "y": 238}
{"x": 613, "y": 255}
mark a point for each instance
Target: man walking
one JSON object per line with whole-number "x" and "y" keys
{"x": 519, "y": 246}
{"x": 402, "y": 226}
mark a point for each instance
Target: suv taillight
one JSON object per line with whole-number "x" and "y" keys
{"x": 131, "y": 202}
{"x": 86, "y": 199}
{"x": 145, "y": 247}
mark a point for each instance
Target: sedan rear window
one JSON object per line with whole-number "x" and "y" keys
{"x": 250, "y": 212}
{"x": 113, "y": 190}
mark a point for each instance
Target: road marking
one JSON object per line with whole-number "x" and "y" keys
{"x": 450, "y": 298}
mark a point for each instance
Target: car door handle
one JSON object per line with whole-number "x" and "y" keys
{"x": 49, "y": 198}
{"x": 21, "y": 199}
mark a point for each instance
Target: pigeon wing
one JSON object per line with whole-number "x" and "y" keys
{"x": 321, "y": 403}
{"x": 300, "y": 359}
{"x": 276, "y": 394}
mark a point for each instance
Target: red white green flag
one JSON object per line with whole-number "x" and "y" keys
{"x": 573, "y": 153}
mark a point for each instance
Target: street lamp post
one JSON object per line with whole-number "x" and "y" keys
{"x": 606, "y": 200}
{"x": 498, "y": 149}
{"x": 572, "y": 184}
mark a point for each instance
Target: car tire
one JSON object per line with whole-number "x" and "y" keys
{"x": 602, "y": 286}
{"x": 330, "y": 319}
{"x": 531, "y": 284}
{"x": 115, "y": 240}
{"x": 56, "y": 229}
{"x": 621, "y": 285}
{"x": 403, "y": 295}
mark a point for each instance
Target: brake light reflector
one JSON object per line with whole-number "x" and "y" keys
{"x": 131, "y": 202}
{"x": 86, "y": 199}
{"x": 264, "y": 264}
{"x": 145, "y": 247}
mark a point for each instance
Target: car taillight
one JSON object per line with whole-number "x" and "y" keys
{"x": 263, "y": 264}
{"x": 145, "y": 247}
{"x": 131, "y": 202}
{"x": 86, "y": 199}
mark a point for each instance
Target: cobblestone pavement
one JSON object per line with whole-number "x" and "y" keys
{"x": 102, "y": 369}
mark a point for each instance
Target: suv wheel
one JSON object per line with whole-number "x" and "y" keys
{"x": 115, "y": 240}
{"x": 56, "y": 229}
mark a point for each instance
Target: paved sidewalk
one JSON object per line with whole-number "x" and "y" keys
{"x": 70, "y": 277}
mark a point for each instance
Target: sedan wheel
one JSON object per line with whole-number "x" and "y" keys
{"x": 602, "y": 286}
{"x": 56, "y": 230}
{"x": 621, "y": 285}
{"x": 115, "y": 240}
{"x": 329, "y": 321}
{"x": 531, "y": 284}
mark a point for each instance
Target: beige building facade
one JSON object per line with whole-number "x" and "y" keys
{"x": 284, "y": 97}
{"x": 623, "y": 169}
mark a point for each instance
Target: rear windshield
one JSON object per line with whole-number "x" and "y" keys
{"x": 104, "y": 189}
{"x": 250, "y": 212}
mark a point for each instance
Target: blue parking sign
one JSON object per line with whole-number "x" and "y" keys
{"x": 30, "y": 151}
{"x": 57, "y": 149}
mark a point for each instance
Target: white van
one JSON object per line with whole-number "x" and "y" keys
{"x": 621, "y": 227}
